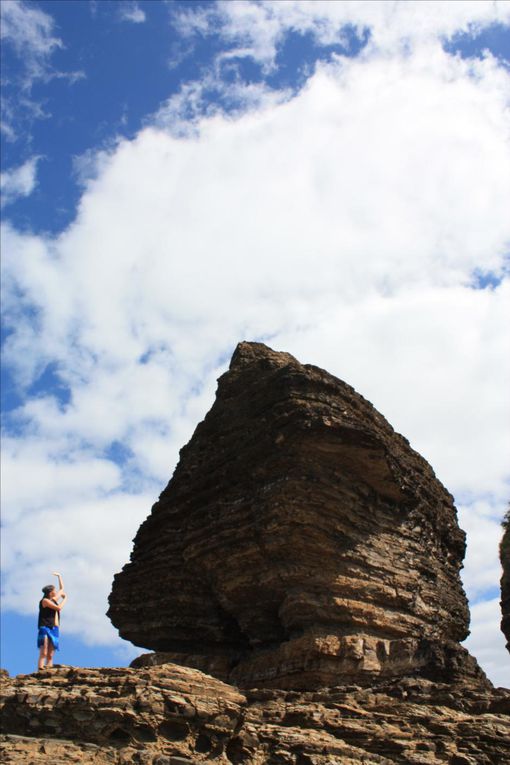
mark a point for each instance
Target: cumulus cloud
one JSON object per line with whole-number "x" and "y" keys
{"x": 348, "y": 224}
{"x": 31, "y": 32}
{"x": 434, "y": 361}
{"x": 487, "y": 642}
{"x": 131, "y": 11}
{"x": 482, "y": 570}
{"x": 257, "y": 30}
{"x": 102, "y": 526}
{"x": 182, "y": 113}
{"x": 19, "y": 181}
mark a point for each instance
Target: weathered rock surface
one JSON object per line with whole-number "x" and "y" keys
{"x": 304, "y": 553}
{"x": 174, "y": 715}
{"x": 504, "y": 554}
{"x": 300, "y": 543}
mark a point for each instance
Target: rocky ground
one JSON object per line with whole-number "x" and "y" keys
{"x": 173, "y": 715}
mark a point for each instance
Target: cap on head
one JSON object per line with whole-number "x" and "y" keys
{"x": 48, "y": 589}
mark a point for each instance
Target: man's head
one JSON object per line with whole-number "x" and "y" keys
{"x": 49, "y": 591}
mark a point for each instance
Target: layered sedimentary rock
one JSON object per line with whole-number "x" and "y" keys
{"x": 300, "y": 543}
{"x": 504, "y": 554}
{"x": 173, "y": 715}
{"x": 304, "y": 553}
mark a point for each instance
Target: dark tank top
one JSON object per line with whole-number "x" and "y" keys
{"x": 46, "y": 615}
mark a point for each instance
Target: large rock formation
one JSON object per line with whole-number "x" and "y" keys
{"x": 305, "y": 553}
{"x": 504, "y": 554}
{"x": 300, "y": 543}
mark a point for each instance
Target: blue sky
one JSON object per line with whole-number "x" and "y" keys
{"x": 178, "y": 176}
{"x": 122, "y": 72}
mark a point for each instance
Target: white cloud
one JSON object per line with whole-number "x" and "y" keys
{"x": 256, "y": 30}
{"x": 487, "y": 643}
{"x": 53, "y": 482}
{"x": 84, "y": 539}
{"x": 31, "y": 32}
{"x": 344, "y": 225}
{"x": 87, "y": 166}
{"x": 19, "y": 181}
{"x": 182, "y": 113}
{"x": 435, "y": 362}
{"x": 131, "y": 11}
{"x": 482, "y": 521}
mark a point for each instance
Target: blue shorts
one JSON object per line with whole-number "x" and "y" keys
{"x": 52, "y": 633}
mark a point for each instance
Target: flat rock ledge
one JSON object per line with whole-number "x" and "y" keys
{"x": 175, "y": 715}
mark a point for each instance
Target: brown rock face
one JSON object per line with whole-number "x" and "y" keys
{"x": 173, "y": 715}
{"x": 301, "y": 542}
{"x": 504, "y": 554}
{"x": 304, "y": 552}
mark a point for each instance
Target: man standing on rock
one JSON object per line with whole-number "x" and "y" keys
{"x": 49, "y": 622}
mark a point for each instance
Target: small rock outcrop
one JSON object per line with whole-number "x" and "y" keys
{"x": 504, "y": 554}
{"x": 300, "y": 542}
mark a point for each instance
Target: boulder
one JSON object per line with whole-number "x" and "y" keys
{"x": 298, "y": 583}
{"x": 300, "y": 543}
{"x": 504, "y": 554}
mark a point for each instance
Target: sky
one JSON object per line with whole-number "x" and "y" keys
{"x": 331, "y": 178}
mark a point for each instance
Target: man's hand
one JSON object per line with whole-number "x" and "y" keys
{"x": 55, "y": 573}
